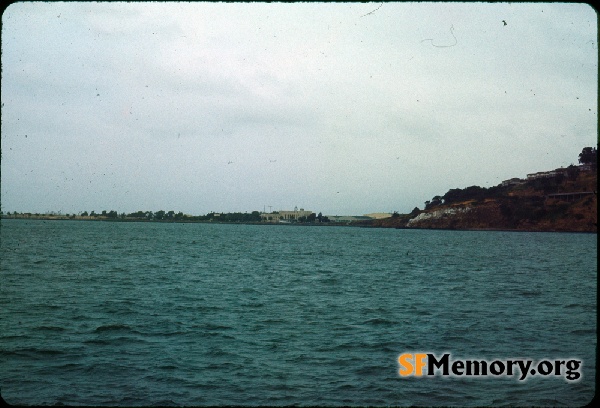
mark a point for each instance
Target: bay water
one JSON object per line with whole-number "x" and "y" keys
{"x": 130, "y": 314}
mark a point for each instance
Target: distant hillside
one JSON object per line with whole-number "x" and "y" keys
{"x": 560, "y": 200}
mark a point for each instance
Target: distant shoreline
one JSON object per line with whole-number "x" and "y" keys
{"x": 107, "y": 219}
{"x": 322, "y": 224}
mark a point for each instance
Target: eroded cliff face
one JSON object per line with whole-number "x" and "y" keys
{"x": 521, "y": 208}
{"x": 551, "y": 215}
{"x": 443, "y": 214}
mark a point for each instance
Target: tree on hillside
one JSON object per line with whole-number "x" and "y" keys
{"x": 322, "y": 218}
{"x": 455, "y": 195}
{"x": 435, "y": 201}
{"x": 588, "y": 155}
{"x": 572, "y": 172}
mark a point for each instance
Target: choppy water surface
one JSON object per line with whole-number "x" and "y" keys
{"x": 99, "y": 313}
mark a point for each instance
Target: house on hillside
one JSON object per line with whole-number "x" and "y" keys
{"x": 512, "y": 182}
{"x": 546, "y": 174}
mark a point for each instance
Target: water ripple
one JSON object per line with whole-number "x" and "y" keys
{"x": 200, "y": 314}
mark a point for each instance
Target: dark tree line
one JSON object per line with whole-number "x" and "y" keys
{"x": 254, "y": 216}
{"x": 457, "y": 195}
{"x": 546, "y": 184}
{"x": 162, "y": 215}
{"x": 589, "y": 155}
{"x": 172, "y": 216}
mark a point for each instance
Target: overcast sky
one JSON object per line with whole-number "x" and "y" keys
{"x": 339, "y": 108}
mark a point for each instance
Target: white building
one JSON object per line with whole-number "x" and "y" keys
{"x": 513, "y": 182}
{"x": 285, "y": 215}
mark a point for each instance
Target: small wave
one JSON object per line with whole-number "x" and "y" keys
{"x": 165, "y": 403}
{"x": 249, "y": 290}
{"x": 50, "y": 328}
{"x": 373, "y": 310}
{"x": 328, "y": 348}
{"x": 173, "y": 333}
{"x": 127, "y": 401}
{"x": 207, "y": 308}
{"x": 221, "y": 335}
{"x": 328, "y": 281}
{"x": 167, "y": 367}
{"x": 583, "y": 306}
{"x": 48, "y": 352}
{"x": 271, "y": 320}
{"x": 530, "y": 293}
{"x": 31, "y": 351}
{"x": 583, "y": 331}
{"x": 552, "y": 402}
{"x": 211, "y": 327}
{"x": 455, "y": 338}
{"x": 423, "y": 313}
{"x": 115, "y": 341}
{"x": 13, "y": 336}
{"x": 67, "y": 366}
{"x": 112, "y": 327}
{"x": 370, "y": 370}
{"x": 346, "y": 327}
{"x": 297, "y": 358}
{"x": 52, "y": 306}
{"x": 97, "y": 341}
{"x": 229, "y": 355}
{"x": 346, "y": 387}
{"x": 378, "y": 321}
{"x": 221, "y": 366}
{"x": 254, "y": 304}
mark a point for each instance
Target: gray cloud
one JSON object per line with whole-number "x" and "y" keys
{"x": 344, "y": 108}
